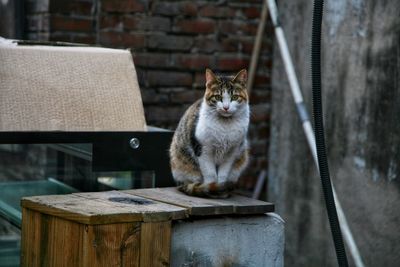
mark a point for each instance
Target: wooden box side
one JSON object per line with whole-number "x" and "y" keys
{"x": 53, "y": 241}
{"x": 50, "y": 241}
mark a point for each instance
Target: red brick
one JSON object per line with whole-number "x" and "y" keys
{"x": 150, "y": 96}
{"x": 252, "y": 12}
{"x": 170, "y": 42}
{"x": 249, "y": 28}
{"x": 230, "y": 45}
{"x": 189, "y": 96}
{"x": 247, "y": 46}
{"x": 217, "y": 11}
{"x": 64, "y": 23}
{"x": 231, "y": 63}
{"x": 260, "y": 96}
{"x": 244, "y": 3}
{"x": 110, "y": 21}
{"x": 189, "y": 8}
{"x": 169, "y": 78}
{"x": 123, "y": 6}
{"x": 71, "y": 6}
{"x": 152, "y": 60}
{"x": 60, "y": 37}
{"x": 187, "y": 61}
{"x": 165, "y": 8}
{"x": 85, "y": 39}
{"x": 195, "y": 26}
{"x": 147, "y": 23}
{"x": 237, "y": 27}
{"x": 122, "y": 39}
{"x": 207, "y": 44}
{"x": 160, "y": 114}
{"x": 199, "y": 79}
{"x": 262, "y": 80}
{"x": 260, "y": 113}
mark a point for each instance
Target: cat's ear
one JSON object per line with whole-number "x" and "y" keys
{"x": 210, "y": 76}
{"x": 241, "y": 77}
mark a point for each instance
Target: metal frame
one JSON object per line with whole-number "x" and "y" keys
{"x": 112, "y": 151}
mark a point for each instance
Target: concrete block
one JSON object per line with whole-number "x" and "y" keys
{"x": 251, "y": 241}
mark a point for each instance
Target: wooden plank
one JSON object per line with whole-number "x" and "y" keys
{"x": 30, "y": 238}
{"x": 79, "y": 209}
{"x": 244, "y": 205}
{"x": 95, "y": 208}
{"x": 155, "y": 244}
{"x": 150, "y": 210}
{"x": 50, "y": 241}
{"x": 236, "y": 204}
{"x": 112, "y": 245}
{"x": 61, "y": 242}
{"x": 194, "y": 205}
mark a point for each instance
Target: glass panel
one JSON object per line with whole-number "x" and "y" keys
{"x": 48, "y": 169}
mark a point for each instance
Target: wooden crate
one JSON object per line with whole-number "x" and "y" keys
{"x": 115, "y": 228}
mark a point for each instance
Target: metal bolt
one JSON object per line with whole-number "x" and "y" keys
{"x": 134, "y": 143}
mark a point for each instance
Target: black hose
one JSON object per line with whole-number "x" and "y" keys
{"x": 319, "y": 133}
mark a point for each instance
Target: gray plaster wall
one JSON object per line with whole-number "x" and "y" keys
{"x": 251, "y": 241}
{"x": 361, "y": 98}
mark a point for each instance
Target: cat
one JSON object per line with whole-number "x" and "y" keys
{"x": 209, "y": 149}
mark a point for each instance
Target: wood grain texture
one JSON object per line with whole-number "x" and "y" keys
{"x": 202, "y": 206}
{"x": 155, "y": 245}
{"x": 112, "y": 245}
{"x": 194, "y": 205}
{"x": 30, "y": 238}
{"x": 95, "y": 208}
{"x": 50, "y": 241}
{"x": 153, "y": 211}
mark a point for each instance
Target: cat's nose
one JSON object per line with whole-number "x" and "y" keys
{"x": 226, "y": 108}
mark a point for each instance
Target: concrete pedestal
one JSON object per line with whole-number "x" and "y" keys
{"x": 228, "y": 241}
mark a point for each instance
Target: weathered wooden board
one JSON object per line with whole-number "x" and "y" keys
{"x": 203, "y": 206}
{"x": 112, "y": 245}
{"x": 31, "y": 238}
{"x": 194, "y": 205}
{"x": 155, "y": 244}
{"x": 245, "y": 205}
{"x": 96, "y": 208}
{"x": 149, "y": 209}
{"x": 52, "y": 241}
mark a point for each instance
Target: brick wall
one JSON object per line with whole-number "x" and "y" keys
{"x": 172, "y": 43}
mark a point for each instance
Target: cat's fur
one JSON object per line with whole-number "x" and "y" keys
{"x": 209, "y": 149}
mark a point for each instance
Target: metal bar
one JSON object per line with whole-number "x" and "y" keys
{"x": 260, "y": 182}
{"x": 112, "y": 151}
{"x": 308, "y": 131}
{"x": 256, "y": 48}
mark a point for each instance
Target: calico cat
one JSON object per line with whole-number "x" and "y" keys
{"x": 209, "y": 149}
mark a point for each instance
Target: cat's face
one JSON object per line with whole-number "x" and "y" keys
{"x": 226, "y": 94}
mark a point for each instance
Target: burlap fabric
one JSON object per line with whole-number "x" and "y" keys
{"x": 45, "y": 88}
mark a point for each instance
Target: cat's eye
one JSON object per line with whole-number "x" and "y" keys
{"x": 218, "y": 97}
{"x": 234, "y": 97}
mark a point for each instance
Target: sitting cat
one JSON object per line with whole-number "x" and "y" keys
{"x": 209, "y": 149}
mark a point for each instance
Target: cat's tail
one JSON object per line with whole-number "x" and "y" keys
{"x": 211, "y": 190}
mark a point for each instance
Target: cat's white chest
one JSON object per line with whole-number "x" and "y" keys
{"x": 219, "y": 136}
